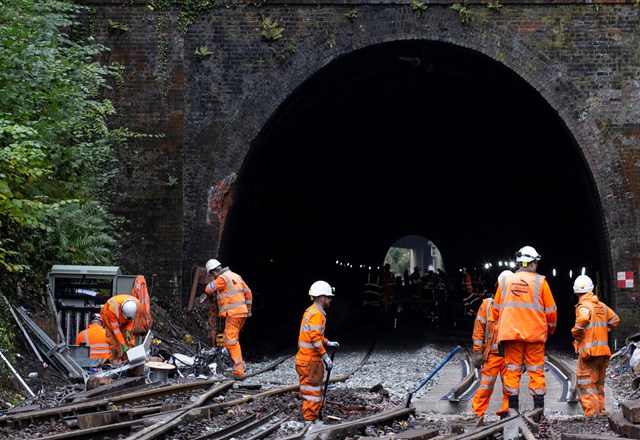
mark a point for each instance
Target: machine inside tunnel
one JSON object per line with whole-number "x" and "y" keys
{"x": 410, "y": 138}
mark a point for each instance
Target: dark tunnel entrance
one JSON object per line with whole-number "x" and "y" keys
{"x": 404, "y": 138}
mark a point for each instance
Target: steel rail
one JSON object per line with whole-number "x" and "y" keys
{"x": 86, "y": 407}
{"x": 561, "y": 370}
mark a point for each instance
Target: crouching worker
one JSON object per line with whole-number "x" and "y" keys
{"x": 312, "y": 357}
{"x": 118, "y": 314}
{"x": 95, "y": 337}
{"x": 594, "y": 320}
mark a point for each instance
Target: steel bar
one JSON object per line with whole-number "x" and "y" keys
{"x": 24, "y": 331}
{"x": 15, "y": 373}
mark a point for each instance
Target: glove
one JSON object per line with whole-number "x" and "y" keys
{"x": 478, "y": 359}
{"x": 333, "y": 344}
{"x": 127, "y": 336}
{"x": 124, "y": 348}
{"x": 203, "y": 298}
{"x": 328, "y": 363}
{"x": 249, "y": 315}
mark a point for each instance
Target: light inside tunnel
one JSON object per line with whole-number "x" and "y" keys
{"x": 370, "y": 149}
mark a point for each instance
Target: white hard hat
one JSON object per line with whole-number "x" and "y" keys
{"x": 129, "y": 308}
{"x": 583, "y": 284}
{"x": 96, "y": 318}
{"x": 320, "y": 288}
{"x": 504, "y": 273}
{"x": 527, "y": 254}
{"x": 212, "y": 264}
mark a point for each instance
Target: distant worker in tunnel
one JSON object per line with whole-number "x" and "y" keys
{"x": 526, "y": 314}
{"x": 415, "y": 279}
{"x": 312, "y": 357}
{"x": 594, "y": 320}
{"x": 487, "y": 355}
{"x": 234, "y": 301}
{"x": 387, "y": 281}
{"x": 466, "y": 284}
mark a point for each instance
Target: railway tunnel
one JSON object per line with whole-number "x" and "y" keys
{"x": 409, "y": 138}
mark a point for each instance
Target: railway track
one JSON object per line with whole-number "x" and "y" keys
{"x": 225, "y": 409}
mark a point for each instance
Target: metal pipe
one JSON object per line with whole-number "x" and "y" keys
{"x": 17, "y": 375}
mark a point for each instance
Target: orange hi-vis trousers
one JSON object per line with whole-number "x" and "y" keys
{"x": 493, "y": 366}
{"x": 311, "y": 373}
{"x": 232, "y": 328}
{"x": 591, "y": 374}
{"x": 522, "y": 356}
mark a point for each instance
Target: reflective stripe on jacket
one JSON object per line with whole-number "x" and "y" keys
{"x": 594, "y": 320}
{"x": 233, "y": 294}
{"x": 484, "y": 334}
{"x": 96, "y": 339}
{"x": 113, "y": 319}
{"x": 311, "y": 339}
{"x": 526, "y": 308}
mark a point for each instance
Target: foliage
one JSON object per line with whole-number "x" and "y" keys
{"x": 399, "y": 259}
{"x": 463, "y": 11}
{"x": 418, "y": 7}
{"x": 352, "y": 15}
{"x": 82, "y": 234}
{"x": 56, "y": 148}
{"x": 117, "y": 26}
{"x": 202, "y": 52}
{"x": 495, "y": 6}
{"x": 271, "y": 29}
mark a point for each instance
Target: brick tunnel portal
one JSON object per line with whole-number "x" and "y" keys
{"x": 409, "y": 138}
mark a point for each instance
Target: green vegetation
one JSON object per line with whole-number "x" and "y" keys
{"x": 418, "y": 7}
{"x": 352, "y": 15}
{"x": 203, "y": 52}
{"x": 494, "y": 6}
{"x": 464, "y": 14}
{"x": 57, "y": 151}
{"x": 271, "y": 29}
{"x": 399, "y": 259}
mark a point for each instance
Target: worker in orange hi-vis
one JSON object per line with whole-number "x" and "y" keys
{"x": 526, "y": 314}
{"x": 234, "y": 301}
{"x": 466, "y": 284}
{"x": 594, "y": 320}
{"x": 487, "y": 356}
{"x": 143, "y": 321}
{"x": 118, "y": 314}
{"x": 312, "y": 358}
{"x": 95, "y": 337}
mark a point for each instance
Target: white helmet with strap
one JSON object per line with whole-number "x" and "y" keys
{"x": 212, "y": 264}
{"x": 320, "y": 288}
{"x": 583, "y": 284}
{"x": 129, "y": 309}
{"x": 527, "y": 254}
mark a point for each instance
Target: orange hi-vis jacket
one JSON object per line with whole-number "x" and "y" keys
{"x": 594, "y": 320}
{"x": 526, "y": 308}
{"x": 143, "y": 320}
{"x": 114, "y": 319}
{"x": 311, "y": 340}
{"x": 96, "y": 339}
{"x": 484, "y": 334}
{"x": 233, "y": 294}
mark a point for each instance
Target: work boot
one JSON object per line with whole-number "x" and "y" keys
{"x": 538, "y": 402}
{"x": 514, "y": 404}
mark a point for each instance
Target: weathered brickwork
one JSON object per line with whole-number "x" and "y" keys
{"x": 583, "y": 59}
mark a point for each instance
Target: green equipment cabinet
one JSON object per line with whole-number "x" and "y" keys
{"x": 79, "y": 291}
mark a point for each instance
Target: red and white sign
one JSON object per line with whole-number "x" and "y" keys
{"x": 625, "y": 280}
